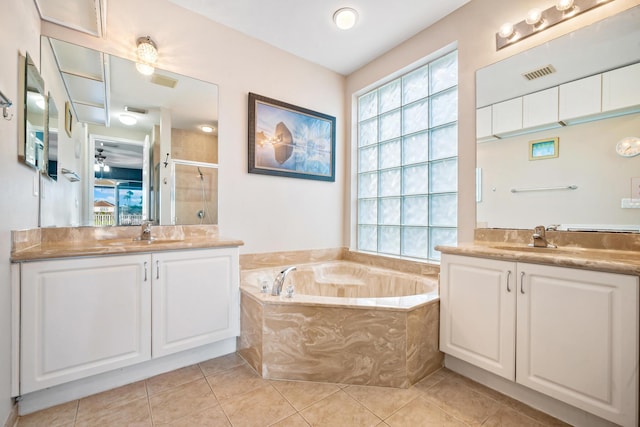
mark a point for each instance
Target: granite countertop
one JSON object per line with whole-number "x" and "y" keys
{"x": 39, "y": 244}
{"x": 609, "y": 260}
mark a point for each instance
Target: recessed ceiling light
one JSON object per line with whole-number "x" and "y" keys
{"x": 345, "y": 18}
{"x": 128, "y": 120}
{"x": 206, "y": 128}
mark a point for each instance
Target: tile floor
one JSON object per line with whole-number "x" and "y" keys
{"x": 227, "y": 392}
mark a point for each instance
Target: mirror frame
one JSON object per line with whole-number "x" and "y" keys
{"x": 31, "y": 79}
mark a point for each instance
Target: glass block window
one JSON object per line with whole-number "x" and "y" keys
{"x": 408, "y": 163}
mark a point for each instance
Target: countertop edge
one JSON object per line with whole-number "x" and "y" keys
{"x": 587, "y": 260}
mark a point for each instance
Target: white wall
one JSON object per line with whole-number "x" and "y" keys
{"x": 18, "y": 207}
{"x": 268, "y": 213}
{"x": 473, "y": 27}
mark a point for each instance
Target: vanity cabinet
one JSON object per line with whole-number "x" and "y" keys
{"x": 85, "y": 316}
{"x": 570, "y": 334}
{"x": 81, "y": 317}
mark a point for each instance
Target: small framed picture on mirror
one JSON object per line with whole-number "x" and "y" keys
{"x": 543, "y": 149}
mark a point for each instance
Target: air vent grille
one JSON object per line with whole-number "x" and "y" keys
{"x": 131, "y": 109}
{"x": 540, "y": 72}
{"x": 163, "y": 80}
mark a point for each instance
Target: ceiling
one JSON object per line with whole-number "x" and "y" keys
{"x": 304, "y": 28}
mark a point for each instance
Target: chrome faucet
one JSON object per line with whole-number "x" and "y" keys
{"x": 540, "y": 238}
{"x": 279, "y": 280}
{"x": 145, "y": 233}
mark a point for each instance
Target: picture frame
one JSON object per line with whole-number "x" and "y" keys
{"x": 544, "y": 149}
{"x": 68, "y": 118}
{"x": 290, "y": 141}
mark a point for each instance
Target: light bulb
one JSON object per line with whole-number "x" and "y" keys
{"x": 563, "y": 5}
{"x": 534, "y": 17}
{"x": 107, "y": 168}
{"x": 345, "y": 18}
{"x": 506, "y": 30}
{"x": 96, "y": 167}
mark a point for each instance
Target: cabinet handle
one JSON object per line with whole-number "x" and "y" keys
{"x": 145, "y": 271}
{"x": 508, "y": 276}
{"x": 157, "y": 269}
{"x": 522, "y": 282}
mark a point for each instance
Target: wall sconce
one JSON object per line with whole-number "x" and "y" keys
{"x": 147, "y": 52}
{"x": 5, "y": 103}
{"x": 537, "y": 20}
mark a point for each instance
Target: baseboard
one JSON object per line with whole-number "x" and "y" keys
{"x": 13, "y": 416}
{"x": 562, "y": 411}
{"x": 78, "y": 389}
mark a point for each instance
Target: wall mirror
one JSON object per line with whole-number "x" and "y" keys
{"x": 51, "y": 137}
{"x": 137, "y": 141}
{"x": 32, "y": 142}
{"x": 587, "y": 157}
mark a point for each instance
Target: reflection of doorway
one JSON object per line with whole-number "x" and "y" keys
{"x": 119, "y": 192}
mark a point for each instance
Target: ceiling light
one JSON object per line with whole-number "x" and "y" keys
{"x": 147, "y": 53}
{"x": 206, "y": 128}
{"x": 127, "y": 119}
{"x": 345, "y": 18}
{"x": 106, "y": 168}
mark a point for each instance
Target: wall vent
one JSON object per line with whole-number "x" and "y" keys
{"x": 163, "y": 80}
{"x": 540, "y": 72}
{"x": 131, "y": 109}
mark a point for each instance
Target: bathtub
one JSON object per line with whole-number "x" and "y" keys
{"x": 346, "y": 323}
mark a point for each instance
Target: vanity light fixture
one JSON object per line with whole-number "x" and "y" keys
{"x": 147, "y": 52}
{"x": 537, "y": 20}
{"x": 345, "y": 18}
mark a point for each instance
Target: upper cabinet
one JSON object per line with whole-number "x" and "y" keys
{"x": 580, "y": 99}
{"x": 596, "y": 97}
{"x": 621, "y": 89}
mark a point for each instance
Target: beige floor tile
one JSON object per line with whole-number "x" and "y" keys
{"x": 172, "y": 379}
{"x": 339, "y": 409}
{"x": 181, "y": 401}
{"x": 235, "y": 381}
{"x": 294, "y": 420}
{"x": 539, "y": 416}
{"x": 56, "y": 416}
{"x": 134, "y": 413}
{"x": 508, "y": 417}
{"x": 105, "y": 402}
{"x": 221, "y": 364}
{"x": 382, "y": 401}
{"x": 419, "y": 412}
{"x": 302, "y": 394}
{"x": 210, "y": 417}
{"x": 259, "y": 407}
{"x": 462, "y": 402}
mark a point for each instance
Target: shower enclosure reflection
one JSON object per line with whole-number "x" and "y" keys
{"x": 195, "y": 192}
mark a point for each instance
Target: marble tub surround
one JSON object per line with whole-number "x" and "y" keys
{"x": 366, "y": 337}
{"x": 609, "y": 252}
{"x": 45, "y": 243}
{"x": 278, "y": 259}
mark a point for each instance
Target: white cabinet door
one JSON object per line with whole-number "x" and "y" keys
{"x": 81, "y": 317}
{"x": 195, "y": 298}
{"x": 483, "y": 124}
{"x": 507, "y": 116}
{"x": 540, "y": 109}
{"x": 477, "y": 312}
{"x": 621, "y": 88}
{"x": 580, "y": 98}
{"x": 578, "y": 338}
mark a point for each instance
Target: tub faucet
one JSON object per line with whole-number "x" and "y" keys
{"x": 279, "y": 280}
{"x": 145, "y": 233}
{"x": 540, "y": 238}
